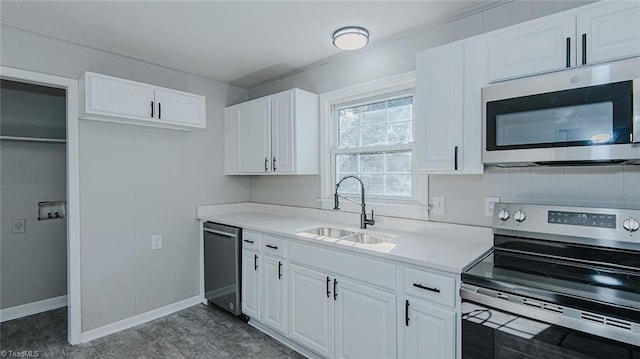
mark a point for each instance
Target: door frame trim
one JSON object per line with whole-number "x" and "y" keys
{"x": 74, "y": 310}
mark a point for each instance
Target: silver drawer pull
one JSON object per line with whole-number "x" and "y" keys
{"x": 418, "y": 285}
{"x": 272, "y": 247}
{"x": 248, "y": 241}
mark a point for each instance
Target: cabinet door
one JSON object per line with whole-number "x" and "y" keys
{"x": 251, "y": 284}
{"x": 439, "y": 107}
{"x": 254, "y": 136}
{"x": 282, "y": 132}
{"x": 174, "y": 106}
{"x": 430, "y": 332}
{"x": 534, "y": 47}
{"x": 119, "y": 98}
{"x": 311, "y": 309}
{"x": 365, "y": 322}
{"x": 274, "y": 294}
{"x": 610, "y": 31}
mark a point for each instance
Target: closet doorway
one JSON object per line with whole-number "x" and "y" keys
{"x": 39, "y": 209}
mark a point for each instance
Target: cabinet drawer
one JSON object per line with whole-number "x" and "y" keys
{"x": 251, "y": 240}
{"x": 434, "y": 287}
{"x": 273, "y": 246}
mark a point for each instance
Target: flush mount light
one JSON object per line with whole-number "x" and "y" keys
{"x": 350, "y": 38}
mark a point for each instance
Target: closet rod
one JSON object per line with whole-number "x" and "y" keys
{"x": 33, "y": 139}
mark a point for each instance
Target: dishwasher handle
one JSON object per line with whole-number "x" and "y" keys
{"x": 230, "y": 235}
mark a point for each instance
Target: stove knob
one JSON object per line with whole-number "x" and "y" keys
{"x": 631, "y": 224}
{"x": 503, "y": 215}
{"x": 519, "y": 216}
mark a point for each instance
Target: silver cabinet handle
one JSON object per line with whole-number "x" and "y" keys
{"x": 274, "y": 164}
{"x": 266, "y": 164}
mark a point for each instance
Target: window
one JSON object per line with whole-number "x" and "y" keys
{"x": 374, "y": 142}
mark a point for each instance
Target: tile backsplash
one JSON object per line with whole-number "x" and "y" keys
{"x": 609, "y": 187}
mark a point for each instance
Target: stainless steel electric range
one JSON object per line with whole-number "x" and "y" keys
{"x": 561, "y": 282}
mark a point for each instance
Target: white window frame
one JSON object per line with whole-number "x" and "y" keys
{"x": 416, "y": 207}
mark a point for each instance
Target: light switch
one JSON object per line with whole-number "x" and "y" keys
{"x": 156, "y": 241}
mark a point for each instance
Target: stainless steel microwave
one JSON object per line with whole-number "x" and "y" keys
{"x": 589, "y": 115}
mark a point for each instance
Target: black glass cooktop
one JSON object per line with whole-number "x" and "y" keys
{"x": 596, "y": 279}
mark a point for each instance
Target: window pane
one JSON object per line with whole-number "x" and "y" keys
{"x": 398, "y": 185}
{"x": 350, "y": 138}
{"x": 374, "y": 113}
{"x": 347, "y": 163}
{"x": 373, "y": 183}
{"x": 372, "y": 162}
{"x": 399, "y": 132}
{"x": 374, "y": 135}
{"x": 399, "y": 162}
{"x": 400, "y": 110}
{"x": 387, "y": 172}
{"x": 349, "y": 117}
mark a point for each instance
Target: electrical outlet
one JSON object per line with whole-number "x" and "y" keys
{"x": 490, "y": 205}
{"x": 156, "y": 241}
{"x": 438, "y": 206}
{"x": 19, "y": 226}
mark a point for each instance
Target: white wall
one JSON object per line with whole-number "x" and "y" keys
{"x": 464, "y": 195}
{"x": 137, "y": 181}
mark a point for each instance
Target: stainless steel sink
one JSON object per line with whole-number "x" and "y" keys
{"x": 366, "y": 238}
{"x": 329, "y": 232}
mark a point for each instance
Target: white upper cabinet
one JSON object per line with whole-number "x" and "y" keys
{"x": 534, "y": 47}
{"x": 252, "y": 143}
{"x": 106, "y": 98}
{"x": 595, "y": 33}
{"x": 610, "y": 31}
{"x": 277, "y": 134}
{"x": 449, "y": 79}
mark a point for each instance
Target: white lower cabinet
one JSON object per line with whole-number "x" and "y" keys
{"x": 365, "y": 322}
{"x": 428, "y": 331}
{"x": 427, "y": 325}
{"x": 251, "y": 283}
{"x": 333, "y": 304}
{"x": 311, "y": 299}
{"x": 274, "y": 310}
{"x": 264, "y": 278}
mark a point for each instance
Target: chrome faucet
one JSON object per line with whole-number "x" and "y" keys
{"x": 364, "y": 221}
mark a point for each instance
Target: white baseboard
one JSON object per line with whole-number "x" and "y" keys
{"x": 24, "y": 310}
{"x": 138, "y": 319}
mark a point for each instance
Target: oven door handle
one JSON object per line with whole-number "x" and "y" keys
{"x": 636, "y": 112}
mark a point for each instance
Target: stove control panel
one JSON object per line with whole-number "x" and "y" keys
{"x": 602, "y": 220}
{"x": 584, "y": 222}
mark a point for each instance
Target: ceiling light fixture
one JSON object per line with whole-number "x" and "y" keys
{"x": 350, "y": 38}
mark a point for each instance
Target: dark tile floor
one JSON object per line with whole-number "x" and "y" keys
{"x": 196, "y": 332}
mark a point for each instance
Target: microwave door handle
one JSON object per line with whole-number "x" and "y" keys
{"x": 455, "y": 158}
{"x": 635, "y": 134}
{"x": 568, "y": 50}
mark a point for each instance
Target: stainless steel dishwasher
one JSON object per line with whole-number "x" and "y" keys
{"x": 222, "y": 265}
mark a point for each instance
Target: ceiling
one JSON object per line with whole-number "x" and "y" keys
{"x": 240, "y": 42}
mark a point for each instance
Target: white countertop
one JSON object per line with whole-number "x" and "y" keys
{"x": 441, "y": 246}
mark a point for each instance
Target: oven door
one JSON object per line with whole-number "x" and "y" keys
{"x": 492, "y": 329}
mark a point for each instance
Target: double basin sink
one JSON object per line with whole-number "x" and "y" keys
{"x": 345, "y": 235}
